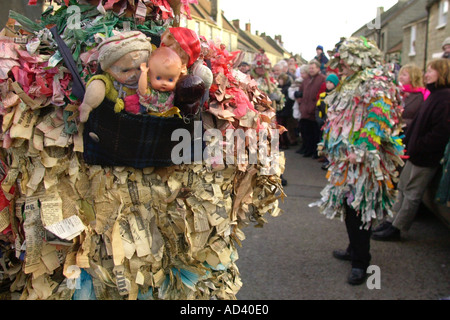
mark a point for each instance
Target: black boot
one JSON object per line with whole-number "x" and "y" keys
{"x": 301, "y": 150}
{"x": 342, "y": 255}
{"x": 389, "y": 234}
{"x": 383, "y": 226}
{"x": 357, "y": 276}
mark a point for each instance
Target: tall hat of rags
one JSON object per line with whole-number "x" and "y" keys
{"x": 115, "y": 47}
{"x": 358, "y": 53}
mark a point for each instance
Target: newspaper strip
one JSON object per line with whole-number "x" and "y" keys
{"x": 34, "y": 233}
{"x": 4, "y": 219}
{"x": 68, "y": 228}
{"x": 51, "y": 209}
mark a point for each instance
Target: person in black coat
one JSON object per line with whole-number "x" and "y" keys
{"x": 426, "y": 139}
{"x": 285, "y": 114}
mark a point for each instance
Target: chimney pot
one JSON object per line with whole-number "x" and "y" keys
{"x": 236, "y": 24}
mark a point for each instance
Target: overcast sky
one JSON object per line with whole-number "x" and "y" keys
{"x": 304, "y": 24}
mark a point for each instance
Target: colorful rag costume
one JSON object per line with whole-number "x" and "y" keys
{"x": 443, "y": 192}
{"x": 361, "y": 140}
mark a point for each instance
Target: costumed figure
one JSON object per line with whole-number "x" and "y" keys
{"x": 443, "y": 191}
{"x": 261, "y": 73}
{"x": 361, "y": 141}
{"x": 78, "y": 222}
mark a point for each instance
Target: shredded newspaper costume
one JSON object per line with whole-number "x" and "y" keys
{"x": 361, "y": 137}
{"x": 75, "y": 231}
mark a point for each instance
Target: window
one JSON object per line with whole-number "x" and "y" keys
{"x": 412, "y": 46}
{"x": 443, "y": 13}
{"x": 210, "y": 33}
{"x": 183, "y": 22}
{"x": 197, "y": 28}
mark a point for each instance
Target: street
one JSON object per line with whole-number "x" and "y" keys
{"x": 291, "y": 257}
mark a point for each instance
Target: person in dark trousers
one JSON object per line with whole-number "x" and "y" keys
{"x": 361, "y": 141}
{"x": 309, "y": 92}
{"x": 426, "y": 140}
{"x": 285, "y": 114}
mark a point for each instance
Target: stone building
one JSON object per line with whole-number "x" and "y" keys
{"x": 423, "y": 38}
{"x": 386, "y": 29}
{"x": 209, "y": 20}
{"x": 438, "y": 27}
{"x": 415, "y": 42}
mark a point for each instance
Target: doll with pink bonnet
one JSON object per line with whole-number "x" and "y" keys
{"x": 194, "y": 84}
{"x": 187, "y": 44}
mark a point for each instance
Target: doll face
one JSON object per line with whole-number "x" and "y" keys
{"x": 127, "y": 69}
{"x": 163, "y": 75}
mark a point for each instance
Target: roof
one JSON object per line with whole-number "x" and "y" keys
{"x": 258, "y": 42}
{"x": 398, "y": 47}
{"x": 203, "y": 11}
{"x": 275, "y": 44}
{"x": 388, "y": 15}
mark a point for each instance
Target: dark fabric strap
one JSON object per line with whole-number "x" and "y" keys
{"x": 126, "y": 139}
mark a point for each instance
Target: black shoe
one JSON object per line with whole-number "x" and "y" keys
{"x": 389, "y": 234}
{"x": 308, "y": 155}
{"x": 383, "y": 226}
{"x": 301, "y": 151}
{"x": 325, "y": 166}
{"x": 342, "y": 255}
{"x": 357, "y": 276}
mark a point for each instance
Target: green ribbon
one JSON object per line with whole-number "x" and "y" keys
{"x": 366, "y": 43}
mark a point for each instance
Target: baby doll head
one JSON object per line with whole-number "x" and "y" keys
{"x": 165, "y": 68}
{"x": 122, "y": 54}
{"x": 184, "y": 42}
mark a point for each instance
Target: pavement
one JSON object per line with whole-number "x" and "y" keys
{"x": 291, "y": 257}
